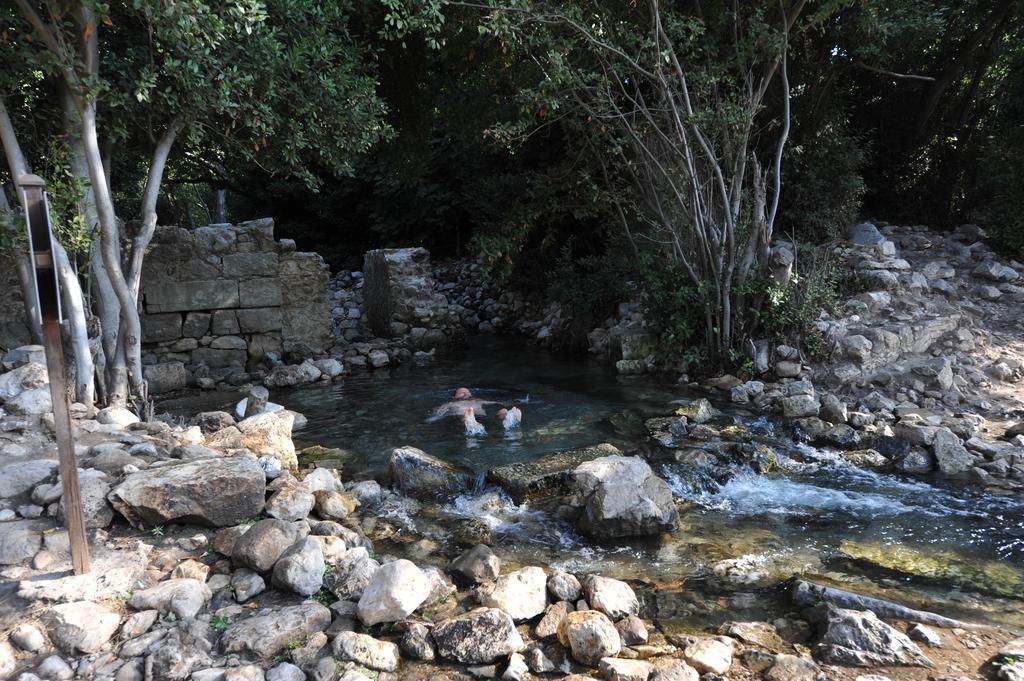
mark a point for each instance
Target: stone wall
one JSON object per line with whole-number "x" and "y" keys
{"x": 221, "y": 298}
{"x": 13, "y": 331}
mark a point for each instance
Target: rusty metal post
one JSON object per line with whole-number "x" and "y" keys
{"x": 48, "y": 294}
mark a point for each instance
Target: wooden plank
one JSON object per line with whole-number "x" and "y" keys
{"x": 48, "y": 293}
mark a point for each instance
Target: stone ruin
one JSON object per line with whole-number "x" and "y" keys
{"x": 400, "y": 297}
{"x": 223, "y": 297}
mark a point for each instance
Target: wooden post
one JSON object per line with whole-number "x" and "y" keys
{"x": 47, "y": 293}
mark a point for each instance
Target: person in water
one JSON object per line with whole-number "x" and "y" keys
{"x": 457, "y": 406}
{"x": 511, "y": 418}
{"x": 473, "y": 427}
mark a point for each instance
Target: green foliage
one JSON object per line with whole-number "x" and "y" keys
{"x": 219, "y": 623}
{"x": 674, "y": 308}
{"x": 789, "y": 311}
{"x": 324, "y": 597}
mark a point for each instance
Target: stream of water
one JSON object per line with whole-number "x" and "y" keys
{"x": 924, "y": 542}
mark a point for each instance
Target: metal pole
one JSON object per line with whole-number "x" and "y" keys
{"x": 47, "y": 293}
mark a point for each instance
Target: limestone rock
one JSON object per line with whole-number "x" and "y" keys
{"x": 17, "y": 479}
{"x": 81, "y": 626}
{"x": 394, "y": 592}
{"x": 613, "y": 597}
{"x": 477, "y": 565}
{"x": 417, "y": 642}
{"x": 291, "y": 502}
{"x": 264, "y": 542}
{"x": 793, "y": 668}
{"x": 480, "y": 636}
{"x": 352, "y": 574}
{"x": 622, "y": 497}
{"x": 615, "y": 669}
{"x": 270, "y": 434}
{"x": 522, "y": 594}
{"x": 564, "y": 586}
{"x": 267, "y": 635}
{"x": 547, "y": 476}
{"x": 950, "y": 455}
{"x": 709, "y": 655}
{"x": 20, "y": 540}
{"x": 422, "y": 476}
{"x": 366, "y": 650}
{"x": 589, "y": 635}
{"x": 860, "y": 639}
{"x": 183, "y": 597}
{"x": 217, "y": 492}
{"x": 301, "y": 568}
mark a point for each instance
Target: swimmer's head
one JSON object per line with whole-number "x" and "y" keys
{"x": 463, "y": 394}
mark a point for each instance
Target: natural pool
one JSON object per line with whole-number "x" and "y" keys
{"x": 921, "y": 541}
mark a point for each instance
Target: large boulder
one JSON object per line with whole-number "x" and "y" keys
{"x": 550, "y": 475}
{"x": 81, "y": 626}
{"x": 859, "y": 638}
{"x": 418, "y": 474}
{"x": 394, "y": 592}
{"x": 622, "y": 497}
{"x": 215, "y": 492}
{"x": 481, "y": 636}
{"x": 17, "y": 479}
{"x": 265, "y": 636}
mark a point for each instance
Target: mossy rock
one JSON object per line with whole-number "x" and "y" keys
{"x": 987, "y": 576}
{"x": 470, "y": 532}
{"x": 332, "y": 457}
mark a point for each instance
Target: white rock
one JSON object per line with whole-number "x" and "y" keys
{"x": 394, "y": 592}
{"x": 366, "y": 650}
{"x": 522, "y": 594}
{"x": 613, "y": 597}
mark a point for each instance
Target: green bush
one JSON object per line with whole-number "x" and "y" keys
{"x": 673, "y": 308}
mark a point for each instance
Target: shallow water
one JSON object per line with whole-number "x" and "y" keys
{"x": 565, "y": 403}
{"x": 924, "y": 542}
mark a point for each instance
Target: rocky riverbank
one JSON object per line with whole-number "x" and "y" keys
{"x": 217, "y": 557}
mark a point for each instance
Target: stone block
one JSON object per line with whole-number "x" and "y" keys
{"x": 166, "y": 377}
{"x": 161, "y": 327}
{"x": 259, "y": 293}
{"x": 240, "y": 265}
{"x": 228, "y": 343}
{"x": 224, "y": 323}
{"x": 306, "y": 331}
{"x": 259, "y": 319}
{"x": 191, "y": 295}
{"x": 216, "y": 359}
{"x": 263, "y": 343}
{"x": 215, "y": 238}
{"x": 259, "y": 232}
{"x": 197, "y": 325}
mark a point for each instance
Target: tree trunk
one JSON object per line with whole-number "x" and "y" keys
{"x": 220, "y": 208}
{"x": 126, "y": 366}
{"x": 17, "y": 166}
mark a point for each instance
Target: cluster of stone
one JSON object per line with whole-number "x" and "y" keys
{"x": 221, "y": 300}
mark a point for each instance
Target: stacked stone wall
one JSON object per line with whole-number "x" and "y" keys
{"x": 221, "y": 298}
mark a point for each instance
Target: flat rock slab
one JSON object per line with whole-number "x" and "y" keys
{"x": 268, "y": 634}
{"x": 115, "y": 572}
{"x": 549, "y": 475}
{"x": 21, "y": 539}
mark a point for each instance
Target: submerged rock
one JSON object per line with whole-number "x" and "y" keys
{"x": 995, "y": 577}
{"x": 549, "y": 475}
{"x": 422, "y": 476}
{"x": 860, "y": 639}
{"x": 622, "y": 497}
